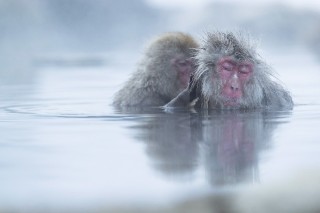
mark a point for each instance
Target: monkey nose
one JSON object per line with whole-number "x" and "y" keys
{"x": 234, "y": 86}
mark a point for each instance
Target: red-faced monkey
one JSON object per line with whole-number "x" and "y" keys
{"x": 230, "y": 74}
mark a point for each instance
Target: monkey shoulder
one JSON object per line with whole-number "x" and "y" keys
{"x": 278, "y": 98}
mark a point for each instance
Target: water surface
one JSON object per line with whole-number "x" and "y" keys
{"x": 63, "y": 146}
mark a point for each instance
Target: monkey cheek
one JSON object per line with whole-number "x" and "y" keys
{"x": 184, "y": 80}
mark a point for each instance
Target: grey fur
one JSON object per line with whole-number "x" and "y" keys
{"x": 155, "y": 82}
{"x": 262, "y": 90}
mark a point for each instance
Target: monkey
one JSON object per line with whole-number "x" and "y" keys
{"x": 230, "y": 74}
{"x": 163, "y": 72}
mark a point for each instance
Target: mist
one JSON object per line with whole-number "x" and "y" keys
{"x": 63, "y": 146}
{"x": 45, "y": 29}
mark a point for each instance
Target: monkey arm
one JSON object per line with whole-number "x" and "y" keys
{"x": 187, "y": 98}
{"x": 182, "y": 100}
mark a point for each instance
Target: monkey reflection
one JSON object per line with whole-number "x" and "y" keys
{"x": 232, "y": 143}
{"x": 171, "y": 144}
{"x": 225, "y": 143}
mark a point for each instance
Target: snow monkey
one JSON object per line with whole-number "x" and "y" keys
{"x": 230, "y": 75}
{"x": 162, "y": 74}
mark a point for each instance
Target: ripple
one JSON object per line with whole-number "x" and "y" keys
{"x": 71, "y": 110}
{"x": 307, "y": 111}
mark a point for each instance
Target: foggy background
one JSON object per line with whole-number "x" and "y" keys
{"x": 73, "y": 32}
{"x": 62, "y": 144}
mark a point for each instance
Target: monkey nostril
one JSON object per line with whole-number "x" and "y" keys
{"x": 234, "y": 88}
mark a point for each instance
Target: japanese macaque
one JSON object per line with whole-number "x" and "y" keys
{"x": 162, "y": 74}
{"x": 229, "y": 74}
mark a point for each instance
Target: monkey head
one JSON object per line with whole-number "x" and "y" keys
{"x": 229, "y": 72}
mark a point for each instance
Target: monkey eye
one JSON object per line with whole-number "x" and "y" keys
{"x": 244, "y": 69}
{"x": 182, "y": 63}
{"x": 227, "y": 66}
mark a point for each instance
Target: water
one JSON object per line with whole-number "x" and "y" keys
{"x": 63, "y": 146}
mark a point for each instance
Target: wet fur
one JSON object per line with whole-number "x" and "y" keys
{"x": 262, "y": 90}
{"x": 155, "y": 81}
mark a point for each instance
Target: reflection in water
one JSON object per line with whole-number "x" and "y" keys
{"x": 225, "y": 143}
{"x": 232, "y": 143}
{"x": 63, "y": 146}
{"x": 172, "y": 143}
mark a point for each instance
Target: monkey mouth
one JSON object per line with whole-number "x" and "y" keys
{"x": 231, "y": 102}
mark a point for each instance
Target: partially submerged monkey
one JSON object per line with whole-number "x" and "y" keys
{"x": 226, "y": 72}
{"x": 229, "y": 74}
{"x": 162, "y": 74}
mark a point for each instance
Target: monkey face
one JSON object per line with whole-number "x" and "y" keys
{"x": 184, "y": 68}
{"x": 234, "y": 75}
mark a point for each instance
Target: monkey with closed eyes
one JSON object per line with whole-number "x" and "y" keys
{"x": 230, "y": 75}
